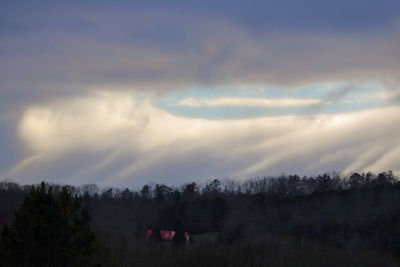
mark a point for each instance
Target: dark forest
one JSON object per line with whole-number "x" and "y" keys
{"x": 324, "y": 220}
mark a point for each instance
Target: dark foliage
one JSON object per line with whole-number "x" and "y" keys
{"x": 326, "y": 220}
{"x": 49, "y": 229}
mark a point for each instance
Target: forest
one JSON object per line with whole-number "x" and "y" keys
{"x": 324, "y": 220}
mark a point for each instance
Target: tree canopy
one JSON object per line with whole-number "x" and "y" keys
{"x": 50, "y": 229}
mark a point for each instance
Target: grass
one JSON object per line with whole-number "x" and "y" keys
{"x": 270, "y": 252}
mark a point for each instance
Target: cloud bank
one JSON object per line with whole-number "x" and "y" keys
{"x": 80, "y": 82}
{"x": 57, "y": 48}
{"x": 112, "y": 138}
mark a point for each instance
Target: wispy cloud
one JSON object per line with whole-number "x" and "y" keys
{"x": 71, "y": 73}
{"x": 246, "y": 102}
{"x": 111, "y": 138}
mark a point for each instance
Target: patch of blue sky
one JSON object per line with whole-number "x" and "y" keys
{"x": 229, "y": 112}
{"x": 331, "y": 96}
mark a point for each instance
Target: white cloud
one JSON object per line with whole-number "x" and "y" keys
{"x": 388, "y": 96}
{"x": 247, "y": 102}
{"x": 112, "y": 138}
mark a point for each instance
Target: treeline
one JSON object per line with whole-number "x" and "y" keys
{"x": 356, "y": 217}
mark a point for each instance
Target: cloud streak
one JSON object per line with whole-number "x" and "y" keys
{"x": 247, "y": 102}
{"x": 113, "y": 139}
{"x": 79, "y": 82}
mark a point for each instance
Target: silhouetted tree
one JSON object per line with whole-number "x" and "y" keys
{"x": 145, "y": 192}
{"x": 190, "y": 191}
{"x": 350, "y": 213}
{"x": 213, "y": 187}
{"x": 356, "y": 180}
{"x": 162, "y": 192}
{"x": 48, "y": 230}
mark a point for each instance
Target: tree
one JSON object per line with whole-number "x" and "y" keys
{"x": 212, "y": 187}
{"x": 50, "y": 229}
{"x": 162, "y": 192}
{"x": 145, "y": 192}
{"x": 356, "y": 180}
{"x": 190, "y": 191}
{"x": 293, "y": 185}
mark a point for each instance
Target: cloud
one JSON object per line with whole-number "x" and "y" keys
{"x": 80, "y": 78}
{"x": 247, "y": 102}
{"x": 74, "y": 47}
{"x": 116, "y": 139}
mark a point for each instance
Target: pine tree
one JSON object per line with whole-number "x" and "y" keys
{"x": 50, "y": 229}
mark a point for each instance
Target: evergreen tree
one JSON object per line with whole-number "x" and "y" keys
{"x": 50, "y": 229}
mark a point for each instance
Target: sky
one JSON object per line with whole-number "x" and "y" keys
{"x": 123, "y": 93}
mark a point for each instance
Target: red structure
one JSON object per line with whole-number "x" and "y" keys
{"x": 166, "y": 234}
